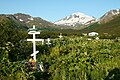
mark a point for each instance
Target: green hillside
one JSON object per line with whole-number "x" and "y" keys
{"x": 11, "y": 21}
{"x": 111, "y": 27}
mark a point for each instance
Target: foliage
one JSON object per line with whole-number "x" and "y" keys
{"x": 55, "y": 33}
{"x": 69, "y": 58}
{"x": 13, "y": 32}
{"x": 79, "y": 59}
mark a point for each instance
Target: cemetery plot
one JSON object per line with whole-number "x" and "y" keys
{"x": 69, "y": 58}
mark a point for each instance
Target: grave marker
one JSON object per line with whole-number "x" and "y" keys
{"x": 33, "y": 32}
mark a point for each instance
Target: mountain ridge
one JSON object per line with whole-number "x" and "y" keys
{"x": 75, "y": 19}
{"x": 109, "y": 23}
{"x": 28, "y": 21}
{"x": 109, "y": 15}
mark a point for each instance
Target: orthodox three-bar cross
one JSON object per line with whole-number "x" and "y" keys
{"x": 33, "y": 32}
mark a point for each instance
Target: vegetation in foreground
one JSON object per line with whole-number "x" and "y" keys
{"x": 69, "y": 58}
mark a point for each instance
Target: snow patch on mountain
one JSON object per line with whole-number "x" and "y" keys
{"x": 76, "y": 18}
{"x": 21, "y": 20}
{"x": 31, "y": 18}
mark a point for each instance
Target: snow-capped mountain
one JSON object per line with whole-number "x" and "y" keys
{"x": 109, "y": 15}
{"x": 76, "y": 19}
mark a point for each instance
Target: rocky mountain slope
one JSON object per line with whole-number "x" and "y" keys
{"x": 7, "y": 20}
{"x": 29, "y": 20}
{"x": 109, "y": 16}
{"x": 108, "y": 23}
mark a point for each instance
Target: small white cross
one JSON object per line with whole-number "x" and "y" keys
{"x": 60, "y": 35}
{"x": 48, "y": 41}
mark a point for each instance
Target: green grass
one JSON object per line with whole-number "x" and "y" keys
{"x": 111, "y": 27}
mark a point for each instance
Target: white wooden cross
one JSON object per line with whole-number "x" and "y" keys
{"x": 60, "y": 35}
{"x": 48, "y": 42}
{"x": 33, "y": 32}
